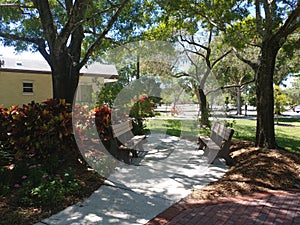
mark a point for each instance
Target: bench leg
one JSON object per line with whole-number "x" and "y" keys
{"x": 139, "y": 148}
{"x": 225, "y": 154}
{"x": 134, "y": 153}
{"x": 124, "y": 156}
{"x": 119, "y": 154}
{"x": 201, "y": 144}
{"x": 228, "y": 160}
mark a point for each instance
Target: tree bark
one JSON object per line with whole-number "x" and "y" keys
{"x": 204, "y": 120}
{"x": 64, "y": 45}
{"x": 239, "y": 102}
{"x": 65, "y": 78}
{"x": 265, "y": 133}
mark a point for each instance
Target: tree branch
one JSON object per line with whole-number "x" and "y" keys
{"x": 221, "y": 57}
{"x": 184, "y": 74}
{"x": 192, "y": 42}
{"x": 291, "y": 24}
{"x": 195, "y": 52}
{"x": 104, "y": 33}
{"x": 76, "y": 21}
{"x": 20, "y": 6}
{"x": 76, "y": 14}
{"x": 39, "y": 42}
{"x": 269, "y": 21}
{"x": 47, "y": 21}
{"x": 258, "y": 18}
{"x": 14, "y": 37}
{"x": 252, "y": 64}
{"x": 209, "y": 20}
{"x": 231, "y": 86}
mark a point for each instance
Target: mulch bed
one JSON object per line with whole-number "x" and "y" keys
{"x": 254, "y": 170}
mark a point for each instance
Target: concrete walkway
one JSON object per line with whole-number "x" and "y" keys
{"x": 134, "y": 194}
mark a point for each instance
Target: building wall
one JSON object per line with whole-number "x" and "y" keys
{"x": 88, "y": 86}
{"x": 11, "y": 88}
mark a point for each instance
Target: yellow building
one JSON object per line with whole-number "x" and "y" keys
{"x": 25, "y": 80}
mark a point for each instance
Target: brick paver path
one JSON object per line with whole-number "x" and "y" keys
{"x": 271, "y": 208}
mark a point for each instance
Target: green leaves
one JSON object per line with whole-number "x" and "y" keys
{"x": 242, "y": 33}
{"x": 36, "y": 128}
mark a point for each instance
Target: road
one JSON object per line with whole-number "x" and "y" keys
{"x": 190, "y": 111}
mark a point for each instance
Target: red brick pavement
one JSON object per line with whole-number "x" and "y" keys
{"x": 270, "y": 208}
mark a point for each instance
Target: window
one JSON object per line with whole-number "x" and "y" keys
{"x": 27, "y": 87}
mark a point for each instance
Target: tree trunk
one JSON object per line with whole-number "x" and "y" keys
{"x": 65, "y": 78}
{"x": 204, "y": 120}
{"x": 265, "y": 134}
{"x": 239, "y": 102}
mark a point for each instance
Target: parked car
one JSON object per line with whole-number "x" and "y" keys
{"x": 297, "y": 108}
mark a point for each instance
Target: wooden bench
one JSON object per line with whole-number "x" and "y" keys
{"x": 217, "y": 144}
{"x": 128, "y": 145}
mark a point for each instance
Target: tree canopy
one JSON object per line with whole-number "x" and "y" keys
{"x": 68, "y": 33}
{"x": 266, "y": 25}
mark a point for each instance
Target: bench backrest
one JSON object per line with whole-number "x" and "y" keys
{"x": 220, "y": 133}
{"x": 121, "y": 128}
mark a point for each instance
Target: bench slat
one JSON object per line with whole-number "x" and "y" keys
{"x": 121, "y": 128}
{"x": 126, "y": 140}
{"x": 218, "y": 143}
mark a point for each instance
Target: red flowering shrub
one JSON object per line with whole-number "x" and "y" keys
{"x": 143, "y": 107}
{"x": 103, "y": 122}
{"x": 42, "y": 130}
{"x": 38, "y": 149}
{"x": 83, "y": 120}
{"x": 5, "y": 155}
{"x": 39, "y": 129}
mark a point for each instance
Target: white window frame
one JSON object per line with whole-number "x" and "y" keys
{"x": 30, "y": 89}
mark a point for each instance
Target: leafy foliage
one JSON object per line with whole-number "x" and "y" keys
{"x": 37, "y": 129}
{"x": 280, "y": 100}
{"x": 44, "y": 131}
{"x": 293, "y": 92}
{"x": 36, "y": 143}
{"x": 103, "y": 122}
{"x": 70, "y": 33}
{"x": 142, "y": 108}
{"x": 38, "y": 187}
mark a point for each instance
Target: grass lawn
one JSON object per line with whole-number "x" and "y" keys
{"x": 179, "y": 128}
{"x": 287, "y": 130}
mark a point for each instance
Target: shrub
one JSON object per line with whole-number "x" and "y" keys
{"x": 35, "y": 186}
{"x": 5, "y": 145}
{"x": 40, "y": 129}
{"x": 103, "y": 122}
{"x": 37, "y": 142}
{"x": 142, "y": 108}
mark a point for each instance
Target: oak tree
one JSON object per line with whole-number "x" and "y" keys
{"x": 67, "y": 33}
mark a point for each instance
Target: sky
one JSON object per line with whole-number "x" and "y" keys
{"x": 9, "y": 52}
